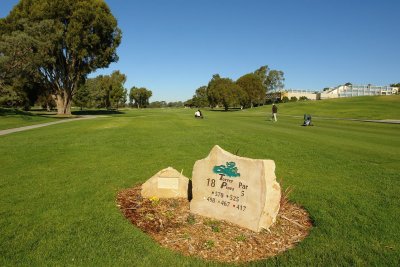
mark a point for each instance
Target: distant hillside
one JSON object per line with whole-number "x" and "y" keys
{"x": 364, "y": 107}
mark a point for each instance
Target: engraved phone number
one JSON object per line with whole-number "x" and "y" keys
{"x": 226, "y": 203}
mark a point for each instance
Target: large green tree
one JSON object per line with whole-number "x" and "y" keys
{"x": 225, "y": 92}
{"x": 12, "y": 97}
{"x": 275, "y": 80}
{"x": 18, "y": 92}
{"x": 107, "y": 91}
{"x": 57, "y": 43}
{"x": 117, "y": 92}
{"x": 212, "y": 94}
{"x": 271, "y": 79}
{"x": 141, "y": 96}
{"x": 262, "y": 73}
{"x": 200, "y": 98}
{"x": 252, "y": 85}
{"x": 82, "y": 96}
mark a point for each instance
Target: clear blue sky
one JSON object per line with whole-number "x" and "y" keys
{"x": 173, "y": 47}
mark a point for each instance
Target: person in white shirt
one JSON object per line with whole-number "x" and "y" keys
{"x": 198, "y": 114}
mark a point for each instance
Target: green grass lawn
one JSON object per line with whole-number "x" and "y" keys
{"x": 364, "y": 107}
{"x": 58, "y": 184}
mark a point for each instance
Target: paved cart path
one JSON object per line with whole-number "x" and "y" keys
{"x": 25, "y": 128}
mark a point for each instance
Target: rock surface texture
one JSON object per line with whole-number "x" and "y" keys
{"x": 167, "y": 183}
{"x": 240, "y": 190}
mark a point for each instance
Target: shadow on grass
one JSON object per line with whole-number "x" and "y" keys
{"x": 96, "y": 112}
{"x": 31, "y": 114}
{"x": 52, "y": 114}
{"x": 11, "y": 111}
{"x": 223, "y": 110}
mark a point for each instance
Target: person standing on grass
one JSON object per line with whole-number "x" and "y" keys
{"x": 274, "y": 111}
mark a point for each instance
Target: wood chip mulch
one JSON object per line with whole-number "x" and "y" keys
{"x": 170, "y": 223}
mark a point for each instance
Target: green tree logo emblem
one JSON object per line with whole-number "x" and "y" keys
{"x": 229, "y": 170}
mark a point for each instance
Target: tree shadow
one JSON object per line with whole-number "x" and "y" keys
{"x": 96, "y": 112}
{"x": 11, "y": 111}
{"x": 29, "y": 115}
{"x": 53, "y": 114}
{"x": 223, "y": 110}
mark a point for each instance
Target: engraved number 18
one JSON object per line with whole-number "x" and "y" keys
{"x": 211, "y": 182}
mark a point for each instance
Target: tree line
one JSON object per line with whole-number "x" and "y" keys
{"x": 49, "y": 47}
{"x": 246, "y": 92}
{"x": 103, "y": 91}
{"x": 107, "y": 91}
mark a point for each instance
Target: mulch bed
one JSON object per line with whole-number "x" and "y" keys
{"x": 170, "y": 223}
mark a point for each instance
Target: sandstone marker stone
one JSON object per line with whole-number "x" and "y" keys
{"x": 241, "y": 190}
{"x": 167, "y": 183}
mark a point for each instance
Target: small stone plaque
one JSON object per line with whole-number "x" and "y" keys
{"x": 240, "y": 190}
{"x": 168, "y": 183}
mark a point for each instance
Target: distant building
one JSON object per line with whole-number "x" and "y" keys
{"x": 347, "y": 90}
{"x": 289, "y": 93}
{"x": 356, "y": 90}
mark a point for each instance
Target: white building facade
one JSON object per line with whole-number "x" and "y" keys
{"x": 357, "y": 90}
{"x": 340, "y": 91}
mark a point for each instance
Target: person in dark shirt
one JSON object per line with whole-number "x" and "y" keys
{"x": 274, "y": 112}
